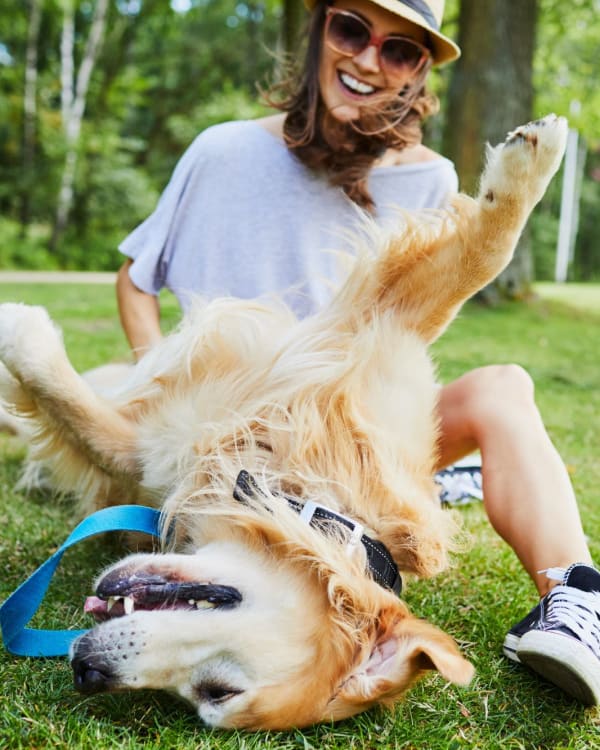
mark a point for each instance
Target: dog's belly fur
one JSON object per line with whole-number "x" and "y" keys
{"x": 339, "y": 408}
{"x": 302, "y": 416}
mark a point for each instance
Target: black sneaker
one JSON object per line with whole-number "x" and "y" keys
{"x": 560, "y": 638}
{"x": 514, "y": 635}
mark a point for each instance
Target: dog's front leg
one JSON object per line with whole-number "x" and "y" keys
{"x": 429, "y": 274}
{"x": 42, "y": 386}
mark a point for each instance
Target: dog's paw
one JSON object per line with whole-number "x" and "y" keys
{"x": 523, "y": 165}
{"x": 543, "y": 141}
{"x": 27, "y": 337}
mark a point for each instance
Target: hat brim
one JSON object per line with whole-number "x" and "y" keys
{"x": 443, "y": 49}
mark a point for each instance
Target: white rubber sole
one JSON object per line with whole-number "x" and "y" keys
{"x": 509, "y": 648}
{"x": 563, "y": 661}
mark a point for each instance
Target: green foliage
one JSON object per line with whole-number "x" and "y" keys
{"x": 544, "y": 223}
{"x": 567, "y": 65}
{"x": 229, "y": 104}
{"x": 29, "y": 252}
{"x": 586, "y": 265}
{"x": 163, "y": 76}
{"x": 505, "y": 708}
{"x": 567, "y": 68}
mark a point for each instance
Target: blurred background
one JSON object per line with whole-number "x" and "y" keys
{"x": 99, "y": 99}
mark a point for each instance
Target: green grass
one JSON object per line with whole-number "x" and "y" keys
{"x": 555, "y": 338}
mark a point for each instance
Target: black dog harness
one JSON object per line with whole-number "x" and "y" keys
{"x": 380, "y": 563}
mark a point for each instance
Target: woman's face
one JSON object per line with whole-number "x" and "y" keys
{"x": 348, "y": 84}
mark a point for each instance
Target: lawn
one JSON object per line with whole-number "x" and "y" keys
{"x": 555, "y": 337}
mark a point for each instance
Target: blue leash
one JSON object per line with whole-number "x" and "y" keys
{"x": 23, "y": 603}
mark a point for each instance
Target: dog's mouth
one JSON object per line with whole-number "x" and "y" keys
{"x": 119, "y": 594}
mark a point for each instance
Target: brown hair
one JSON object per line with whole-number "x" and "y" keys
{"x": 346, "y": 151}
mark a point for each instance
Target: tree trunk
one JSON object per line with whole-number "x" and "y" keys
{"x": 67, "y": 62}
{"x": 490, "y": 93}
{"x": 73, "y": 100}
{"x": 293, "y": 20}
{"x": 30, "y": 111}
{"x": 252, "y": 25}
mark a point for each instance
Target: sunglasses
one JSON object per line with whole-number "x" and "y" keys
{"x": 349, "y": 34}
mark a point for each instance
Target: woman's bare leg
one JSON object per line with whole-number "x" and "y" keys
{"x": 527, "y": 491}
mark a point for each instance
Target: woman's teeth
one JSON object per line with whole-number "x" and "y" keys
{"x": 357, "y": 86}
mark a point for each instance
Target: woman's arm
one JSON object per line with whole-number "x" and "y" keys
{"x": 139, "y": 313}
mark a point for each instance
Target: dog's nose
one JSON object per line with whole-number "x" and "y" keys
{"x": 88, "y": 678}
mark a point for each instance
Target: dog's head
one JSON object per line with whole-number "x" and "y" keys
{"x": 258, "y": 632}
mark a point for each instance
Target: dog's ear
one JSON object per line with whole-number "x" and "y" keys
{"x": 400, "y": 654}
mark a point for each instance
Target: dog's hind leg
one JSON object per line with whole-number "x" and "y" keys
{"x": 428, "y": 271}
{"x": 66, "y": 416}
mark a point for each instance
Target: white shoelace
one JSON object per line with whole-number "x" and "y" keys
{"x": 577, "y": 610}
{"x": 459, "y": 487}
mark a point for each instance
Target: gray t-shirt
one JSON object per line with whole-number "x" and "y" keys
{"x": 241, "y": 216}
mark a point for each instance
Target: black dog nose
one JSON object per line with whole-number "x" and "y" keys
{"x": 88, "y": 678}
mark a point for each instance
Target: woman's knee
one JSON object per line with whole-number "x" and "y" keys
{"x": 509, "y": 380}
{"x": 497, "y": 390}
{"x": 483, "y": 405}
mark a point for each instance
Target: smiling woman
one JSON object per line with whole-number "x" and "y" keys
{"x": 360, "y": 67}
{"x": 360, "y": 98}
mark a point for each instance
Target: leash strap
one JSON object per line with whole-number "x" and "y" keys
{"x": 23, "y": 603}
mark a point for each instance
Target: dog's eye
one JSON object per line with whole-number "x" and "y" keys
{"x": 211, "y": 692}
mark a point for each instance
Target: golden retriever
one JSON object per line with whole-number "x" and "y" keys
{"x": 257, "y": 616}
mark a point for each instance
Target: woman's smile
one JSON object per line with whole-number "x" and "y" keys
{"x": 355, "y": 87}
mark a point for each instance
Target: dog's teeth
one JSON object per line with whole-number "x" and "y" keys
{"x": 191, "y": 602}
{"x": 204, "y": 605}
{"x": 111, "y": 601}
{"x": 128, "y": 605}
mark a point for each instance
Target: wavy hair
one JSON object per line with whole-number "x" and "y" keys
{"x": 346, "y": 151}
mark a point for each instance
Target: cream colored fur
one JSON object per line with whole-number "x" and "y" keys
{"x": 340, "y": 407}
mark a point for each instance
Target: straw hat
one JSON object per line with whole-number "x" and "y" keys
{"x": 424, "y": 13}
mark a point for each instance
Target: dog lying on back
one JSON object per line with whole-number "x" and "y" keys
{"x": 263, "y": 612}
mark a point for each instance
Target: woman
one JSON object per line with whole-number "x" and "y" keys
{"x": 252, "y": 205}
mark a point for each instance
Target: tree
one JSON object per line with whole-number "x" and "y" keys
{"x": 30, "y": 109}
{"x": 490, "y": 92}
{"x": 74, "y": 91}
{"x": 292, "y": 22}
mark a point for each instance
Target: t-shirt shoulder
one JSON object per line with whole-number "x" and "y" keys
{"x": 244, "y": 137}
{"x": 233, "y": 136}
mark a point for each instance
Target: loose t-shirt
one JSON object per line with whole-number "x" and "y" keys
{"x": 241, "y": 216}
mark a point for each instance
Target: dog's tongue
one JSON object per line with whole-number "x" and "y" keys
{"x": 95, "y": 606}
{"x": 102, "y": 610}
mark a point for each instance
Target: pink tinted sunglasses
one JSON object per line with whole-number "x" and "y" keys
{"x": 349, "y": 34}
